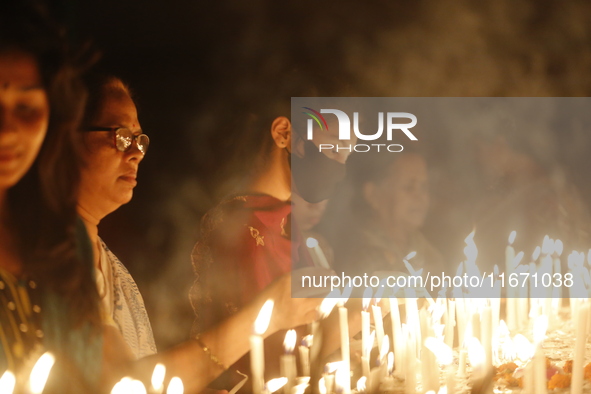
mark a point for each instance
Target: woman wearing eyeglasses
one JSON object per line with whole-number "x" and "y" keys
{"x": 114, "y": 146}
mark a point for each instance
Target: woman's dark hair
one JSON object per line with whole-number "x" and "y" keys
{"x": 100, "y": 87}
{"x": 42, "y": 205}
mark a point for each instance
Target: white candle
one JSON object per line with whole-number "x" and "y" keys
{"x": 367, "y": 294}
{"x": 411, "y": 365}
{"x": 450, "y": 323}
{"x": 397, "y": 339}
{"x": 486, "y": 334}
{"x": 316, "y": 253}
{"x": 579, "y": 353}
{"x": 288, "y": 366}
{"x": 462, "y": 363}
{"x": 345, "y": 353}
{"x": 378, "y": 322}
{"x": 257, "y": 349}
{"x": 305, "y": 355}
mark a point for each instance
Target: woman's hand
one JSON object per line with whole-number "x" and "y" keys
{"x": 290, "y": 311}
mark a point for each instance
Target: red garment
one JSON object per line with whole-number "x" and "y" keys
{"x": 243, "y": 247}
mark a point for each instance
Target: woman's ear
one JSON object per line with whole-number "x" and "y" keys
{"x": 281, "y": 132}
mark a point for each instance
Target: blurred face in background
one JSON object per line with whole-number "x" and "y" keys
{"x": 307, "y": 215}
{"x": 109, "y": 175}
{"x": 401, "y": 199}
{"x": 24, "y": 116}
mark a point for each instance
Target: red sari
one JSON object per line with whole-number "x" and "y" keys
{"x": 244, "y": 246}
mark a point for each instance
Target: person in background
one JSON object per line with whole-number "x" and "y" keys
{"x": 388, "y": 201}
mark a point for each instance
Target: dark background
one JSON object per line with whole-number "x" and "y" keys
{"x": 194, "y": 65}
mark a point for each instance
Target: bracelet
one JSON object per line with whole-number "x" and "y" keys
{"x": 206, "y": 350}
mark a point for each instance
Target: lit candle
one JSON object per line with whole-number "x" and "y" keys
{"x": 40, "y": 373}
{"x": 486, "y": 335}
{"x": 274, "y": 384}
{"x": 450, "y": 323}
{"x": 557, "y": 291}
{"x": 175, "y": 386}
{"x": 396, "y": 332}
{"x": 344, "y": 330}
{"x": 462, "y": 363}
{"x": 288, "y": 361}
{"x": 316, "y": 253}
{"x": 158, "y": 378}
{"x": 367, "y": 294}
{"x": 305, "y": 354}
{"x": 378, "y": 321}
{"x": 361, "y": 384}
{"x": 540, "y": 379}
{"x": 7, "y": 382}
{"x": 444, "y": 356}
{"x": 257, "y": 350}
{"x": 130, "y": 386}
{"x": 511, "y": 315}
{"x": 410, "y": 382}
{"x": 579, "y": 353}
{"x": 366, "y": 354}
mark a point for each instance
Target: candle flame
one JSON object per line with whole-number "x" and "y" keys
{"x": 175, "y": 386}
{"x": 385, "y": 348}
{"x": 342, "y": 377}
{"x": 496, "y": 270}
{"x": 369, "y": 345}
{"x": 523, "y": 348}
{"x": 367, "y": 295}
{"x": 442, "y": 390}
{"x": 299, "y": 388}
{"x": 264, "y": 318}
{"x": 128, "y": 385}
{"x": 547, "y": 245}
{"x": 40, "y": 372}
{"x": 390, "y": 363}
{"x": 289, "y": 341}
{"x": 158, "y": 376}
{"x": 558, "y": 247}
{"x": 275, "y": 384}
{"x": 512, "y": 237}
{"x": 307, "y": 340}
{"x": 470, "y": 251}
{"x": 517, "y": 259}
{"x": 540, "y": 328}
{"x": 322, "y": 386}
{"x": 345, "y": 295}
{"x": 332, "y": 367}
{"x": 361, "y": 384}
{"x": 328, "y": 304}
{"x": 442, "y": 351}
{"x": 475, "y": 352}
{"x": 536, "y": 254}
{"x": 503, "y": 330}
{"x": 311, "y": 242}
{"x": 7, "y": 382}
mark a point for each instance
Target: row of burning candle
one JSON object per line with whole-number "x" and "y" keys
{"x": 480, "y": 330}
{"x": 37, "y": 379}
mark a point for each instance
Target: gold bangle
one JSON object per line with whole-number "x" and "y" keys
{"x": 206, "y": 350}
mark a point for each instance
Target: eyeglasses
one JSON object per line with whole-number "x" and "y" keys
{"x": 123, "y": 138}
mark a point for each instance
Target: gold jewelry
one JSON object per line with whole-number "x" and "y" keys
{"x": 206, "y": 350}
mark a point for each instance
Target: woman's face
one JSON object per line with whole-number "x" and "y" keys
{"x": 109, "y": 176}
{"x": 402, "y": 198}
{"x": 24, "y": 116}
